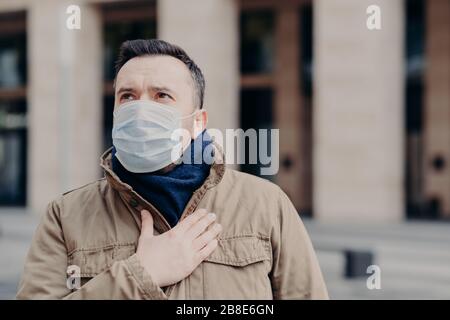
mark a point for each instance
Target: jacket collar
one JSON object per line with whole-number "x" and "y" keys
{"x": 216, "y": 173}
{"x": 136, "y": 203}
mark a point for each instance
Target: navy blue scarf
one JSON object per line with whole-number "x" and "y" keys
{"x": 170, "y": 192}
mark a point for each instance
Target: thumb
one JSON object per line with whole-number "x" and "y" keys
{"x": 147, "y": 222}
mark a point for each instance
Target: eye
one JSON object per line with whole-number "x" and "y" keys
{"x": 126, "y": 97}
{"x": 163, "y": 96}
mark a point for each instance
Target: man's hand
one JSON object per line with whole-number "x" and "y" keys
{"x": 173, "y": 255}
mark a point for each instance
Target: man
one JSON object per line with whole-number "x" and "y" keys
{"x": 159, "y": 228}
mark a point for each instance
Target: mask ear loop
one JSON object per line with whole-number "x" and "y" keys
{"x": 195, "y": 120}
{"x": 191, "y": 115}
{"x": 183, "y": 118}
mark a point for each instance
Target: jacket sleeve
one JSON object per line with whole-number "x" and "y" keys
{"x": 295, "y": 271}
{"x": 45, "y": 277}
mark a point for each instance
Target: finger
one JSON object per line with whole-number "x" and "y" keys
{"x": 187, "y": 223}
{"x": 207, "y": 236}
{"x": 199, "y": 227}
{"x": 147, "y": 222}
{"x": 207, "y": 250}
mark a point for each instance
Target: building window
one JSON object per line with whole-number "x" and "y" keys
{"x": 257, "y": 58}
{"x": 256, "y": 115}
{"x": 257, "y": 41}
{"x": 276, "y": 55}
{"x": 13, "y": 109}
{"x": 415, "y": 58}
{"x": 121, "y": 21}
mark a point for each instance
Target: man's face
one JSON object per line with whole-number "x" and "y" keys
{"x": 165, "y": 80}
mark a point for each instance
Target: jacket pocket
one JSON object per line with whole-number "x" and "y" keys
{"x": 239, "y": 269}
{"x": 95, "y": 260}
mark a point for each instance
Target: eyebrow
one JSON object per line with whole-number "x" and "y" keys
{"x": 125, "y": 89}
{"x": 162, "y": 88}
{"x": 154, "y": 88}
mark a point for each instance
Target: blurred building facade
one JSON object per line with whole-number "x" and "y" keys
{"x": 364, "y": 115}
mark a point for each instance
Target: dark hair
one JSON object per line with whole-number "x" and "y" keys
{"x": 136, "y": 48}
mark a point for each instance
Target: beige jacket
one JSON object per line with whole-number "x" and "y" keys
{"x": 264, "y": 251}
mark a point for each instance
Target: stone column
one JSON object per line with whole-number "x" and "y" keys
{"x": 64, "y": 100}
{"x": 358, "y": 112}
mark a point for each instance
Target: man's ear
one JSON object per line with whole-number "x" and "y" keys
{"x": 200, "y": 122}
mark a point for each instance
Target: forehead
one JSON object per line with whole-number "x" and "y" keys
{"x": 157, "y": 70}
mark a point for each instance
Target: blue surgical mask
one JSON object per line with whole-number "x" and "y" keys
{"x": 143, "y": 135}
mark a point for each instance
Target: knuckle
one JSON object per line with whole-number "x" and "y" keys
{"x": 201, "y": 211}
{"x": 172, "y": 234}
{"x": 209, "y": 235}
{"x": 205, "y": 224}
{"x": 188, "y": 221}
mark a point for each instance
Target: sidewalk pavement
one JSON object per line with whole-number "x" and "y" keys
{"x": 16, "y": 230}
